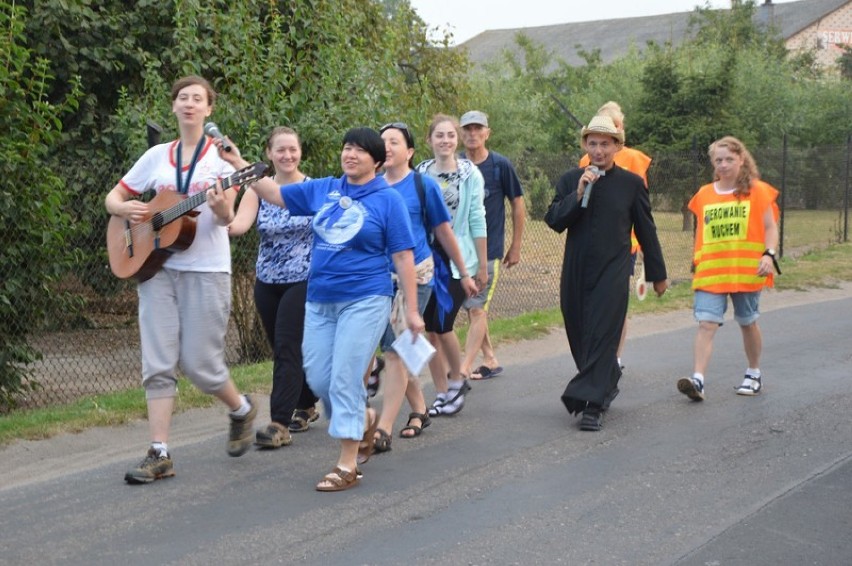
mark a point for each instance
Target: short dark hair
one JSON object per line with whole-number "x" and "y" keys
{"x": 369, "y": 140}
{"x": 190, "y": 80}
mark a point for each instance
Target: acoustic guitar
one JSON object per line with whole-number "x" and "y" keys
{"x": 140, "y": 250}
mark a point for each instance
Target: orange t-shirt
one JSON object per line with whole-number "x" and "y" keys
{"x": 628, "y": 158}
{"x": 634, "y": 161}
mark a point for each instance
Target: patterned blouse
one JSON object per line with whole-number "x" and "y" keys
{"x": 284, "y": 255}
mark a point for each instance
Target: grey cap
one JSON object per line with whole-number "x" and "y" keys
{"x": 474, "y": 117}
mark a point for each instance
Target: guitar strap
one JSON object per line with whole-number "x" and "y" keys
{"x": 183, "y": 188}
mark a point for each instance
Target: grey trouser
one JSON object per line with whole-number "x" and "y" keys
{"x": 183, "y": 317}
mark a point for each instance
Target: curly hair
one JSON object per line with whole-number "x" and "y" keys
{"x": 748, "y": 171}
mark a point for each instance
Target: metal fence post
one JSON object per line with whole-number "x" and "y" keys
{"x": 783, "y": 196}
{"x": 846, "y": 194}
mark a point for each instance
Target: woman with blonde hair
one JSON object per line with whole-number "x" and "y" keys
{"x": 280, "y": 290}
{"x": 734, "y": 255}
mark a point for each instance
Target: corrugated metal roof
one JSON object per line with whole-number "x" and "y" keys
{"x": 615, "y": 37}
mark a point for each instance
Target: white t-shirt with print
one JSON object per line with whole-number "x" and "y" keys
{"x": 210, "y": 251}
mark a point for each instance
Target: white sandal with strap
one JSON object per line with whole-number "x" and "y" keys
{"x": 750, "y": 386}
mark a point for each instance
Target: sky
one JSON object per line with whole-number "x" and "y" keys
{"x": 467, "y": 18}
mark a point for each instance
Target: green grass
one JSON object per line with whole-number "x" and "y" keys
{"x": 823, "y": 268}
{"x": 117, "y": 408}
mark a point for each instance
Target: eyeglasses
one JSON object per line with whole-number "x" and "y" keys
{"x": 402, "y": 127}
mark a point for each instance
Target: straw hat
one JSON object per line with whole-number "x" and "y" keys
{"x": 602, "y": 125}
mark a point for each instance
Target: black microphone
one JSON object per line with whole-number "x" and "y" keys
{"x": 212, "y": 130}
{"x": 588, "y": 191}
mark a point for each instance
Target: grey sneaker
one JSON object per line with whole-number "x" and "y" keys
{"x": 691, "y": 387}
{"x": 152, "y": 467}
{"x": 240, "y": 434}
{"x": 273, "y": 436}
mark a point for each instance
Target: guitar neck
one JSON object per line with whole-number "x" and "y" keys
{"x": 187, "y": 205}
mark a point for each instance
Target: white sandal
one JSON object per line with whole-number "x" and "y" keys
{"x": 750, "y": 386}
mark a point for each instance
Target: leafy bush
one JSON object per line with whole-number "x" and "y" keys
{"x": 35, "y": 227}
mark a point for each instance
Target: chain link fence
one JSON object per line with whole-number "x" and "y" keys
{"x": 98, "y": 351}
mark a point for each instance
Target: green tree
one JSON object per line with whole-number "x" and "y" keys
{"x": 844, "y": 63}
{"x": 319, "y": 66}
{"x": 34, "y": 225}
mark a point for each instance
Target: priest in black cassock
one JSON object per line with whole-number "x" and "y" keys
{"x": 598, "y": 206}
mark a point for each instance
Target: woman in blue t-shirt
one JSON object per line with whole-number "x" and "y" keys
{"x": 283, "y": 260}
{"x": 359, "y": 221}
{"x": 399, "y": 147}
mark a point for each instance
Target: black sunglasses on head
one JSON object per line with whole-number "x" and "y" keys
{"x": 402, "y": 127}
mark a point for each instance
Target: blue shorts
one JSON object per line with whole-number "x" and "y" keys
{"x": 711, "y": 307}
{"x": 423, "y": 294}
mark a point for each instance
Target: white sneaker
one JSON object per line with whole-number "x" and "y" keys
{"x": 750, "y": 386}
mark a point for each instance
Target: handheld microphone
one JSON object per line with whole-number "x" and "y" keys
{"x": 588, "y": 191}
{"x": 212, "y": 130}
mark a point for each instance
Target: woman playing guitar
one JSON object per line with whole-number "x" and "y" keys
{"x": 184, "y": 307}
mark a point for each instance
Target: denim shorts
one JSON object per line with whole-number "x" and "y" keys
{"x": 423, "y": 294}
{"x": 711, "y": 307}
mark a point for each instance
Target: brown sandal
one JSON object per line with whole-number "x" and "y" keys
{"x": 339, "y": 480}
{"x": 368, "y": 441}
{"x": 424, "y": 422}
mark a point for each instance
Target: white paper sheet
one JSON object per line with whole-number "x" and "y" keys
{"x": 413, "y": 355}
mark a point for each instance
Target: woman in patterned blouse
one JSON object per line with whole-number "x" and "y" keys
{"x": 283, "y": 258}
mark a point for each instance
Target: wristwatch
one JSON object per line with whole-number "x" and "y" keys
{"x": 771, "y": 253}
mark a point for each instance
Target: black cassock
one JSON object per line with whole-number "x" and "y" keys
{"x": 594, "y": 289}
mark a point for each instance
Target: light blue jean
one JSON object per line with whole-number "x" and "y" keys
{"x": 711, "y": 307}
{"x": 337, "y": 347}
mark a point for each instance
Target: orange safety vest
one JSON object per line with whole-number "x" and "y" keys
{"x": 729, "y": 240}
{"x": 634, "y": 161}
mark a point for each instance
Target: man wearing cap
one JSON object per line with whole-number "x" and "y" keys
{"x": 501, "y": 183}
{"x": 598, "y": 205}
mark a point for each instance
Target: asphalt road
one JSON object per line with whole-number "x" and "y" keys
{"x": 510, "y": 480}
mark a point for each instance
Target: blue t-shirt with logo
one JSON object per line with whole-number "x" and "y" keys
{"x": 350, "y": 259}
{"x": 436, "y": 211}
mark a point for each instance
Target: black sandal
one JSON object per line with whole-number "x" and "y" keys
{"x": 374, "y": 381}
{"x": 383, "y": 442}
{"x": 424, "y": 422}
{"x": 302, "y": 418}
